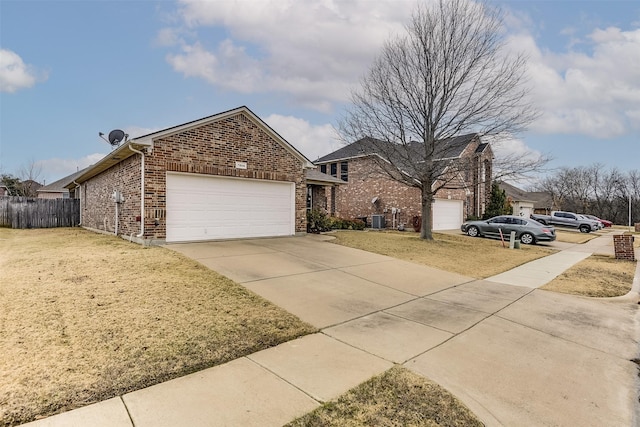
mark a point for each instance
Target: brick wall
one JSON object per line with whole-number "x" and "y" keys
{"x": 97, "y": 206}
{"x": 623, "y": 246}
{"x": 210, "y": 149}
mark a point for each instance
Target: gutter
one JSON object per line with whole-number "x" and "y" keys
{"x": 141, "y": 191}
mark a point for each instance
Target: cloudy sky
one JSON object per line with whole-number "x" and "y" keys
{"x": 71, "y": 69}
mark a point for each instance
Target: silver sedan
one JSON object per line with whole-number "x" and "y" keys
{"x": 528, "y": 231}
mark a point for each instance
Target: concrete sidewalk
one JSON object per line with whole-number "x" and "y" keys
{"x": 514, "y": 354}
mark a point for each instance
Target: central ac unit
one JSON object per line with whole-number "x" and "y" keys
{"x": 377, "y": 221}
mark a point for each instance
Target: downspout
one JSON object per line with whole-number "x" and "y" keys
{"x": 78, "y": 186}
{"x": 141, "y": 191}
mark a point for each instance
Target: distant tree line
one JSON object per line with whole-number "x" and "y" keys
{"x": 596, "y": 190}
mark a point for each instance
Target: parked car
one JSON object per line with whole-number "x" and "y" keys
{"x": 528, "y": 231}
{"x": 567, "y": 219}
{"x": 604, "y": 222}
{"x": 584, "y": 217}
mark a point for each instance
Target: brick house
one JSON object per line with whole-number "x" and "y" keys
{"x": 370, "y": 194}
{"x": 225, "y": 176}
{"x": 525, "y": 203}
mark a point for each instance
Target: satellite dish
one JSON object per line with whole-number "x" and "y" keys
{"x": 116, "y": 136}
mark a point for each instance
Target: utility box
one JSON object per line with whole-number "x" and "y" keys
{"x": 377, "y": 221}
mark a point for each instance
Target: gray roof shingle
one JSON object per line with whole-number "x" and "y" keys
{"x": 58, "y": 186}
{"x": 448, "y": 148}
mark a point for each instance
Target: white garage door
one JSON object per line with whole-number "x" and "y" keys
{"x": 447, "y": 214}
{"x": 204, "y": 207}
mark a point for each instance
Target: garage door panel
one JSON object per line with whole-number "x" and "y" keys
{"x": 202, "y": 207}
{"x": 447, "y": 214}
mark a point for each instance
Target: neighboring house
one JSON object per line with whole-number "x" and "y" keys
{"x": 57, "y": 189}
{"x": 225, "y": 176}
{"x": 29, "y": 188}
{"x": 526, "y": 203}
{"x": 368, "y": 192}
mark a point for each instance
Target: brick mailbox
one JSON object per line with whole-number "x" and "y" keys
{"x": 623, "y": 246}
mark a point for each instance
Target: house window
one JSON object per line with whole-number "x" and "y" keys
{"x": 334, "y": 169}
{"x": 323, "y": 168}
{"x": 344, "y": 171}
{"x": 309, "y": 197}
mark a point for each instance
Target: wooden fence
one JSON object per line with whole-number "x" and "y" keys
{"x": 26, "y": 212}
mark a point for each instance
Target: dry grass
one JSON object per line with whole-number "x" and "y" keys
{"x": 574, "y": 236}
{"x": 596, "y": 276}
{"x": 396, "y": 398}
{"x": 85, "y": 317}
{"x": 474, "y": 257}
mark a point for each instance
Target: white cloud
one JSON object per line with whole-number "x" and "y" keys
{"x": 56, "y": 168}
{"x": 15, "y": 74}
{"x": 312, "y": 50}
{"x": 313, "y": 141}
{"x": 509, "y": 147}
{"x": 229, "y": 66}
{"x": 592, "y": 93}
{"x": 315, "y": 51}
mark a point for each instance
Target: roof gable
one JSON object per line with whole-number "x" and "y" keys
{"x": 145, "y": 139}
{"x": 130, "y": 147}
{"x": 540, "y": 199}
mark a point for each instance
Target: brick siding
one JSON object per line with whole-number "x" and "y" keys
{"x": 97, "y": 206}
{"x": 210, "y": 149}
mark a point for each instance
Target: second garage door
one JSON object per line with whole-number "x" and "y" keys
{"x": 204, "y": 207}
{"x": 447, "y": 214}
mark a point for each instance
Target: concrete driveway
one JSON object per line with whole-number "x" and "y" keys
{"x": 515, "y": 355}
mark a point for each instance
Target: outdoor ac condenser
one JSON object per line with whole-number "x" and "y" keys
{"x": 377, "y": 221}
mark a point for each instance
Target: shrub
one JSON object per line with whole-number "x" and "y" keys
{"x": 346, "y": 224}
{"x": 317, "y": 221}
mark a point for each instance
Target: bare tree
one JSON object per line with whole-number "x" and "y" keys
{"x": 605, "y": 193}
{"x": 29, "y": 176}
{"x": 448, "y": 75}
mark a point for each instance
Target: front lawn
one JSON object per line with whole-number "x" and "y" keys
{"x": 596, "y": 276}
{"x": 574, "y": 236}
{"x": 474, "y": 257}
{"x": 85, "y": 317}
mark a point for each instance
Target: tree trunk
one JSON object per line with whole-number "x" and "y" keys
{"x": 427, "y": 213}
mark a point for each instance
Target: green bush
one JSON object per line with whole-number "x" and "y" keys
{"x": 318, "y": 221}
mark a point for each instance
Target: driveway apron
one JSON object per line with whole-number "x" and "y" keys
{"x": 514, "y": 354}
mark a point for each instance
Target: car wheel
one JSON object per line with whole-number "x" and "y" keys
{"x": 473, "y": 231}
{"x": 527, "y": 239}
{"x": 585, "y": 229}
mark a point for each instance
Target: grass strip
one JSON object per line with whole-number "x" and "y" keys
{"x": 399, "y": 398}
